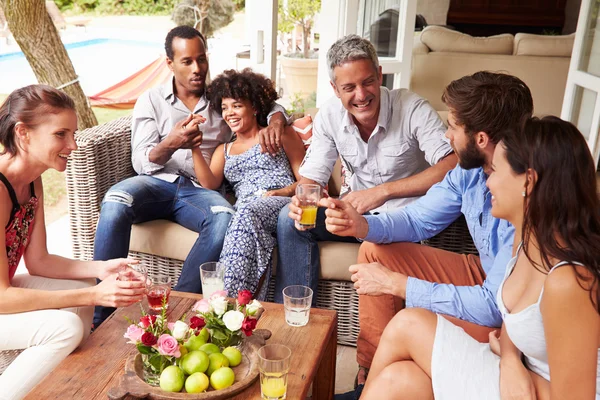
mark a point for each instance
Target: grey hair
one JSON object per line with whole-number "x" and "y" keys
{"x": 350, "y": 48}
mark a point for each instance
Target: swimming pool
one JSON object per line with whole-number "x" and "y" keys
{"x": 99, "y": 63}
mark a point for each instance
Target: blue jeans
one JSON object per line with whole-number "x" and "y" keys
{"x": 145, "y": 198}
{"x": 298, "y": 260}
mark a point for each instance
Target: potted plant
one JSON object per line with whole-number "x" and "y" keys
{"x": 300, "y": 68}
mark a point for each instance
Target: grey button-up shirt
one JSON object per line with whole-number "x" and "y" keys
{"x": 154, "y": 115}
{"x": 408, "y": 138}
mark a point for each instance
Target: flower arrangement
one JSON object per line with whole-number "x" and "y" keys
{"x": 226, "y": 321}
{"x": 159, "y": 342}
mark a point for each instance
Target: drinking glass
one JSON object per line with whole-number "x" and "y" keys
{"x": 308, "y": 195}
{"x": 296, "y": 302}
{"x": 274, "y": 365}
{"x": 159, "y": 289}
{"x": 133, "y": 272}
{"x": 211, "y": 275}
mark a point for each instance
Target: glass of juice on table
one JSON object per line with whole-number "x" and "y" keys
{"x": 274, "y": 365}
{"x": 296, "y": 303}
{"x": 211, "y": 275}
{"x": 159, "y": 289}
{"x": 308, "y": 195}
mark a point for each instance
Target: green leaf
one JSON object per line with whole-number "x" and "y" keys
{"x": 145, "y": 349}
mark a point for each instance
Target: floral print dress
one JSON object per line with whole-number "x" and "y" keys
{"x": 251, "y": 234}
{"x": 19, "y": 226}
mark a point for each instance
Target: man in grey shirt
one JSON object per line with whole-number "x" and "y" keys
{"x": 391, "y": 141}
{"x": 167, "y": 122}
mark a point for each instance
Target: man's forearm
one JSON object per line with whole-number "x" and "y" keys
{"x": 419, "y": 184}
{"x": 161, "y": 153}
{"x": 277, "y": 119}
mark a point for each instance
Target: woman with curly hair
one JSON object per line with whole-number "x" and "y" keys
{"x": 263, "y": 183}
{"x": 543, "y": 181}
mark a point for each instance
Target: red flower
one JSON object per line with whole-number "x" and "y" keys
{"x": 147, "y": 320}
{"x": 148, "y": 339}
{"x": 247, "y": 326}
{"x": 197, "y": 323}
{"x": 244, "y": 297}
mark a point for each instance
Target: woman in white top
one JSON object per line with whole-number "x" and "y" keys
{"x": 544, "y": 183}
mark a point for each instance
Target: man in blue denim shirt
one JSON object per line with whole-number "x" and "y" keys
{"x": 481, "y": 107}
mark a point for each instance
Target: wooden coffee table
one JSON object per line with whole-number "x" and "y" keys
{"x": 94, "y": 368}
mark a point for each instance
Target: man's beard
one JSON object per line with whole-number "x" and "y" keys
{"x": 470, "y": 157}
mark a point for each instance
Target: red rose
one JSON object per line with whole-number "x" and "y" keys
{"x": 244, "y": 297}
{"x": 248, "y": 326}
{"x": 147, "y": 320}
{"x": 148, "y": 339}
{"x": 197, "y": 323}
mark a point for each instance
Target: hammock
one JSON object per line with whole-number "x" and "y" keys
{"x": 124, "y": 94}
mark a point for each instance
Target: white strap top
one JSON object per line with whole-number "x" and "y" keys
{"x": 526, "y": 328}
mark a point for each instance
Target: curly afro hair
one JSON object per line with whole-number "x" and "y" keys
{"x": 244, "y": 85}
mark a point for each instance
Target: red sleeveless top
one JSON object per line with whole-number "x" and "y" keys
{"x": 19, "y": 226}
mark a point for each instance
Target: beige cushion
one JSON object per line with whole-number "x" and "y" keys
{"x": 527, "y": 44}
{"x": 168, "y": 239}
{"x": 545, "y": 76}
{"x": 162, "y": 238}
{"x": 438, "y": 38}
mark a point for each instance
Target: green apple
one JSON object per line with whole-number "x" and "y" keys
{"x": 195, "y": 342}
{"x": 194, "y": 361}
{"x": 233, "y": 355}
{"x": 171, "y": 379}
{"x": 196, "y": 383}
{"x": 210, "y": 348}
{"x": 217, "y": 360}
{"x": 222, "y": 378}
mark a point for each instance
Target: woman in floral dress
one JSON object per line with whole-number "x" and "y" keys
{"x": 263, "y": 183}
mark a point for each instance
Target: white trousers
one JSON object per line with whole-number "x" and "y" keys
{"x": 48, "y": 336}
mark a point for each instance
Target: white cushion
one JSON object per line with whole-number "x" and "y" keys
{"x": 527, "y": 44}
{"x": 438, "y": 38}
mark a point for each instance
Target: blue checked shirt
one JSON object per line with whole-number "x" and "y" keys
{"x": 461, "y": 191}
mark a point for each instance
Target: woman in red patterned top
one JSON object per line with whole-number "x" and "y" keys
{"x": 47, "y": 312}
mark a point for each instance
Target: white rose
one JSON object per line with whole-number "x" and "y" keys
{"x": 233, "y": 320}
{"x": 219, "y": 305}
{"x": 253, "y": 307}
{"x": 180, "y": 330}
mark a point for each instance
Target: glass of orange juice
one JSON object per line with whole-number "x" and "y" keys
{"x": 274, "y": 365}
{"x": 309, "y": 195}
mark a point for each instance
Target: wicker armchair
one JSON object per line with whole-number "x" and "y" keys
{"x": 104, "y": 158}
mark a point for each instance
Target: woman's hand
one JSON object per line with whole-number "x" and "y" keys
{"x": 515, "y": 381}
{"x": 112, "y": 267}
{"x": 113, "y": 293}
{"x": 495, "y": 343}
{"x": 283, "y": 192}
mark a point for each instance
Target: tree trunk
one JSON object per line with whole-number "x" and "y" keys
{"x": 306, "y": 37}
{"x": 35, "y": 33}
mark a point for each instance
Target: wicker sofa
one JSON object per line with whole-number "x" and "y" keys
{"x": 104, "y": 158}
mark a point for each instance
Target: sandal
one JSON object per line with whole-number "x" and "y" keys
{"x": 360, "y": 368}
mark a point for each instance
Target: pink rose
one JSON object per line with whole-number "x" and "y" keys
{"x": 134, "y": 334}
{"x": 218, "y": 293}
{"x": 202, "y": 306}
{"x": 244, "y": 297}
{"x": 171, "y": 325}
{"x": 168, "y": 346}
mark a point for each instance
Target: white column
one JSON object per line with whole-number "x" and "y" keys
{"x": 261, "y": 28}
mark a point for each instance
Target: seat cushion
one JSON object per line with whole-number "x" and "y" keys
{"x": 438, "y": 38}
{"x": 527, "y": 44}
{"x": 162, "y": 238}
{"x": 167, "y": 239}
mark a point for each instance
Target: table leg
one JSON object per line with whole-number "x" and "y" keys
{"x": 324, "y": 382}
